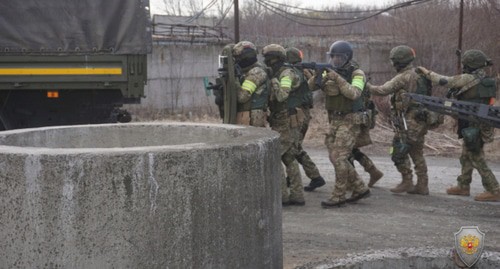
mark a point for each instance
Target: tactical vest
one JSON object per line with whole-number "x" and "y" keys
{"x": 424, "y": 85}
{"x": 340, "y": 103}
{"x": 302, "y": 95}
{"x": 480, "y": 93}
{"x": 257, "y": 101}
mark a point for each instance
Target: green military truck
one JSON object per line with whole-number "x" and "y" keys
{"x": 71, "y": 61}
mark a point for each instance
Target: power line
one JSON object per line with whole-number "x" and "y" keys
{"x": 225, "y": 14}
{"x": 307, "y": 17}
{"x": 323, "y": 11}
{"x": 287, "y": 15}
{"x": 209, "y": 5}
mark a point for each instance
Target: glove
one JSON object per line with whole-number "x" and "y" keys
{"x": 307, "y": 73}
{"x": 332, "y": 75}
{"x": 422, "y": 70}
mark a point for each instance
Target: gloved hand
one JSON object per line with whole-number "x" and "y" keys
{"x": 422, "y": 70}
{"x": 308, "y": 73}
{"x": 332, "y": 75}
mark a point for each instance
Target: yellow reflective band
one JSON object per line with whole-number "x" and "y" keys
{"x": 357, "y": 81}
{"x": 286, "y": 82}
{"x": 59, "y": 71}
{"x": 249, "y": 86}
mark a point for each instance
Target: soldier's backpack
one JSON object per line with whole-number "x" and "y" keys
{"x": 424, "y": 87}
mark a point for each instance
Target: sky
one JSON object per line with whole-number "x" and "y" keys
{"x": 157, "y": 5}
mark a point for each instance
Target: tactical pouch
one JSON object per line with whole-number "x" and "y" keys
{"x": 364, "y": 118}
{"x": 472, "y": 138}
{"x": 400, "y": 151}
{"x": 434, "y": 119}
{"x": 421, "y": 115}
{"x": 373, "y": 114}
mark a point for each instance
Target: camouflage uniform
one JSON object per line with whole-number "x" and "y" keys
{"x": 285, "y": 121}
{"x": 473, "y": 86}
{"x": 253, "y": 92}
{"x": 409, "y": 126}
{"x": 303, "y": 102}
{"x": 342, "y": 100}
{"x": 364, "y": 139}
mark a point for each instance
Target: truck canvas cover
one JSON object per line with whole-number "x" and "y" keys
{"x": 62, "y": 27}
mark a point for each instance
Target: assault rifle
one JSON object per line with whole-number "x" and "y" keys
{"x": 474, "y": 112}
{"x": 318, "y": 67}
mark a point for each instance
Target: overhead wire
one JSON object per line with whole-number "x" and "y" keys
{"x": 228, "y": 9}
{"x": 209, "y": 5}
{"x": 323, "y": 11}
{"x": 298, "y": 15}
{"x": 287, "y": 15}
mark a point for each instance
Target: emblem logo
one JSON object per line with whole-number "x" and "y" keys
{"x": 469, "y": 243}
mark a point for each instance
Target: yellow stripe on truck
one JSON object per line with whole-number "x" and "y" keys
{"x": 59, "y": 71}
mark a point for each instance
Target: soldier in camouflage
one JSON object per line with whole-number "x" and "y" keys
{"x": 346, "y": 115}
{"x": 472, "y": 86}
{"x": 284, "y": 120}
{"x": 253, "y": 91}
{"x": 409, "y": 122}
{"x": 303, "y": 99}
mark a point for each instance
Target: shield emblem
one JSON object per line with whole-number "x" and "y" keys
{"x": 469, "y": 243}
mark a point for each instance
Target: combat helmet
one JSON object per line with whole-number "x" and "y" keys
{"x": 294, "y": 55}
{"x": 274, "y": 50}
{"x": 475, "y": 59}
{"x": 340, "y": 53}
{"x": 245, "y": 53}
{"x": 402, "y": 55}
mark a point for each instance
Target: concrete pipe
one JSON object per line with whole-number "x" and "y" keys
{"x": 142, "y": 195}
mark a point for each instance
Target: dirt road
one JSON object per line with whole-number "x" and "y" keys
{"x": 385, "y": 220}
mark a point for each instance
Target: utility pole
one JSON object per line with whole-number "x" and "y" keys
{"x": 237, "y": 21}
{"x": 460, "y": 30}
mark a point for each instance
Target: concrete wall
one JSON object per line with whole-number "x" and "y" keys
{"x": 175, "y": 77}
{"x": 176, "y": 72}
{"x": 140, "y": 196}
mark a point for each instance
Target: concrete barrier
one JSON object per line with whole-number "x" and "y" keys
{"x": 142, "y": 195}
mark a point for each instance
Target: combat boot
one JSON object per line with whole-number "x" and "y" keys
{"x": 332, "y": 203}
{"x": 404, "y": 186}
{"x": 375, "y": 175}
{"x": 421, "y": 187}
{"x": 488, "y": 196}
{"x": 315, "y": 183}
{"x": 357, "y": 196}
{"x": 457, "y": 190}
